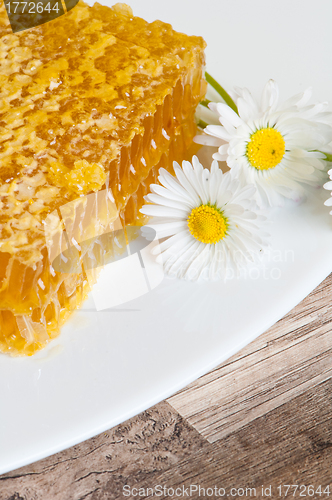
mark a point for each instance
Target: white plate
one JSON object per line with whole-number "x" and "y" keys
{"x": 110, "y": 365}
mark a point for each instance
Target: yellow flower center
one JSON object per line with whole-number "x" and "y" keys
{"x": 266, "y": 148}
{"x": 207, "y": 224}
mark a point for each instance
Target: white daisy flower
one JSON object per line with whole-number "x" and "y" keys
{"x": 328, "y": 186}
{"x": 276, "y": 147}
{"x": 206, "y": 221}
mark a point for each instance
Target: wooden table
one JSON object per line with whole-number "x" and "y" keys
{"x": 261, "y": 418}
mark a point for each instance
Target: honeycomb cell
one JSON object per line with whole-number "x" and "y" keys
{"x": 96, "y": 99}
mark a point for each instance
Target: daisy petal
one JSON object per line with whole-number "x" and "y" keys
{"x": 217, "y": 131}
{"x": 162, "y": 211}
{"x": 208, "y": 140}
{"x": 204, "y": 219}
{"x": 270, "y": 95}
{"x": 225, "y": 112}
{"x": 281, "y": 163}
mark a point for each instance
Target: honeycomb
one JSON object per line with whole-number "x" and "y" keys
{"x": 96, "y": 100}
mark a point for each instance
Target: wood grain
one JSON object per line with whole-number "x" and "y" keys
{"x": 290, "y": 445}
{"x": 290, "y": 357}
{"x": 261, "y": 418}
{"x": 128, "y": 454}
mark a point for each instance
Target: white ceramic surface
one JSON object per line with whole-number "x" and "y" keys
{"x": 112, "y": 364}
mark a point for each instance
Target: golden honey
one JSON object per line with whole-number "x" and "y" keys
{"x": 95, "y": 98}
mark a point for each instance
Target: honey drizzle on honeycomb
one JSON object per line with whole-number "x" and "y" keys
{"x": 117, "y": 98}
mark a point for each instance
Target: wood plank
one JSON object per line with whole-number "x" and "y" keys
{"x": 142, "y": 447}
{"x": 290, "y": 357}
{"x": 290, "y": 445}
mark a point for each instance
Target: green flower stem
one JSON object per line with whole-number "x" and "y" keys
{"x": 202, "y": 124}
{"x": 222, "y": 92}
{"x": 205, "y": 103}
{"x": 328, "y": 156}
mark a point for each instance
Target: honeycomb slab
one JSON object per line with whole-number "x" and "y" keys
{"x": 95, "y": 100}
